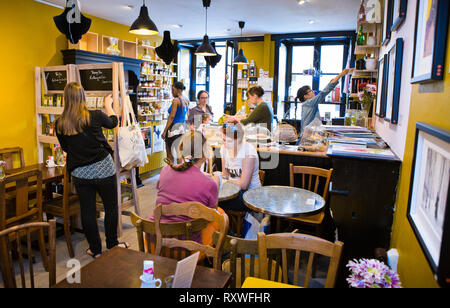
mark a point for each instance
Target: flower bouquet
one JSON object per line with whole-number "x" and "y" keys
{"x": 367, "y": 95}
{"x": 372, "y": 274}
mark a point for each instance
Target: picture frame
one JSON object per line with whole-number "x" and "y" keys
{"x": 393, "y": 81}
{"x": 387, "y": 22}
{"x": 430, "y": 40}
{"x": 428, "y": 206}
{"x": 399, "y": 8}
{"x": 380, "y": 109}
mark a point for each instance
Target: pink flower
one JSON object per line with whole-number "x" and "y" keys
{"x": 371, "y": 274}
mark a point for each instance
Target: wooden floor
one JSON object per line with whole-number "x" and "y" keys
{"x": 147, "y": 196}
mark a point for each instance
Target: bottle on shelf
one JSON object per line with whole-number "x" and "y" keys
{"x": 361, "y": 38}
{"x": 362, "y": 13}
{"x": 371, "y": 41}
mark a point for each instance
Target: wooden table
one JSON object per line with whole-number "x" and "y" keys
{"x": 283, "y": 201}
{"x": 256, "y": 283}
{"x": 49, "y": 175}
{"x": 228, "y": 191}
{"x": 121, "y": 268}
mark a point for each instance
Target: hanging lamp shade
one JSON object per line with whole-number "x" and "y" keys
{"x": 143, "y": 24}
{"x": 240, "y": 58}
{"x": 214, "y": 60}
{"x": 205, "y": 49}
{"x": 167, "y": 51}
{"x": 75, "y": 30}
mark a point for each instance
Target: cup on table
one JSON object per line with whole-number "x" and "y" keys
{"x": 169, "y": 281}
{"x": 150, "y": 283}
{"x": 51, "y": 162}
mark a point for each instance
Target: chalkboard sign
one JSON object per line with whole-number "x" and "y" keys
{"x": 55, "y": 80}
{"x": 96, "y": 79}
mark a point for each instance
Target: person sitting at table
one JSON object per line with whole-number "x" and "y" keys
{"x": 196, "y": 113}
{"x": 263, "y": 113}
{"x": 90, "y": 162}
{"x": 186, "y": 183}
{"x": 240, "y": 164}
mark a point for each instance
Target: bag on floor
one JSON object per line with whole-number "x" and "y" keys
{"x": 131, "y": 144}
{"x": 254, "y": 223}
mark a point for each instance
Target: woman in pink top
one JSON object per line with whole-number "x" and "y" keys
{"x": 186, "y": 183}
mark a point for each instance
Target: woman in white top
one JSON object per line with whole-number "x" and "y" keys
{"x": 240, "y": 164}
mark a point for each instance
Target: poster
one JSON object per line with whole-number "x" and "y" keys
{"x": 158, "y": 142}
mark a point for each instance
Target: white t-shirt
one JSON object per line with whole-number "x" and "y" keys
{"x": 234, "y": 165}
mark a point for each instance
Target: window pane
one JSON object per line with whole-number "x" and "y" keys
{"x": 217, "y": 86}
{"x": 199, "y": 88}
{"x": 184, "y": 66}
{"x": 201, "y": 75}
{"x": 328, "y": 112}
{"x": 302, "y": 58}
{"x": 331, "y": 59}
{"x": 299, "y": 81}
{"x": 324, "y": 81}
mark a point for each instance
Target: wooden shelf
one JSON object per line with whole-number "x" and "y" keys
{"x": 50, "y": 110}
{"x": 48, "y": 139}
{"x": 363, "y": 49}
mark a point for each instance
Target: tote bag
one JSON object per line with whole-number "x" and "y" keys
{"x": 131, "y": 144}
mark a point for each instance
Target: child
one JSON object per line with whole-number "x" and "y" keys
{"x": 206, "y": 120}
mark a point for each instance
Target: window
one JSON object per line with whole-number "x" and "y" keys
{"x": 327, "y": 58}
{"x": 184, "y": 64}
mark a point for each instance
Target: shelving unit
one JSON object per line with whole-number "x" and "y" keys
{"x": 136, "y": 50}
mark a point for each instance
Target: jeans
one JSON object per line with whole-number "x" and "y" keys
{"x": 87, "y": 193}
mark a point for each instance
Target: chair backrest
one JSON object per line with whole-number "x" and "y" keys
{"x": 14, "y": 235}
{"x": 24, "y": 208}
{"x": 262, "y": 176}
{"x": 311, "y": 177}
{"x": 298, "y": 243}
{"x": 180, "y": 230}
{"x": 7, "y": 155}
{"x": 243, "y": 261}
{"x": 193, "y": 210}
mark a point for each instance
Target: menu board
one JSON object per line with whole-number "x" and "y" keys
{"x": 55, "y": 80}
{"x": 96, "y": 79}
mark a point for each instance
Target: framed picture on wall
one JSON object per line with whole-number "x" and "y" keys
{"x": 380, "y": 109}
{"x": 393, "y": 81}
{"x": 387, "y": 22}
{"x": 430, "y": 40}
{"x": 398, "y": 13}
{"x": 428, "y": 208}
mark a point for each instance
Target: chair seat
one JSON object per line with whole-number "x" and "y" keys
{"x": 55, "y": 206}
{"x": 315, "y": 219}
{"x": 226, "y": 267}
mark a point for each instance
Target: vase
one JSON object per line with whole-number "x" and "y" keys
{"x": 361, "y": 118}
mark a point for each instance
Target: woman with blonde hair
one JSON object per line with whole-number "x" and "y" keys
{"x": 90, "y": 163}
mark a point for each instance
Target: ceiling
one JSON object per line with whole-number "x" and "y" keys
{"x": 261, "y": 16}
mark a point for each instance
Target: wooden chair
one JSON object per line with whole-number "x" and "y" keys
{"x": 311, "y": 178}
{"x": 22, "y": 208}
{"x": 299, "y": 243}
{"x": 146, "y": 230}
{"x": 237, "y": 217}
{"x": 14, "y": 235}
{"x": 244, "y": 261}
{"x": 7, "y": 155}
{"x": 193, "y": 210}
{"x": 66, "y": 206}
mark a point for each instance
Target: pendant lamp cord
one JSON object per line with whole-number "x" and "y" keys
{"x": 206, "y": 23}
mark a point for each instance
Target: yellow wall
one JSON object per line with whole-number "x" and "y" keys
{"x": 432, "y": 108}
{"x": 263, "y": 53}
{"x": 29, "y": 39}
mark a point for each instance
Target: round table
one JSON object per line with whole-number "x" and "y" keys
{"x": 283, "y": 201}
{"x": 228, "y": 191}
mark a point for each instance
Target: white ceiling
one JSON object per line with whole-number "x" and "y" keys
{"x": 261, "y": 16}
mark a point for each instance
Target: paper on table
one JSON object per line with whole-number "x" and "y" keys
{"x": 184, "y": 272}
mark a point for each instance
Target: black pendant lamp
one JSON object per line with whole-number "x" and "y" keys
{"x": 240, "y": 58}
{"x": 205, "y": 49}
{"x": 143, "y": 24}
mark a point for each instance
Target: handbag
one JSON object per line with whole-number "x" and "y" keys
{"x": 131, "y": 144}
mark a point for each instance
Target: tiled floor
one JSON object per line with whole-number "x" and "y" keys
{"x": 147, "y": 197}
